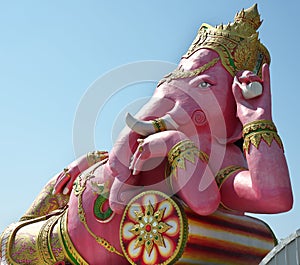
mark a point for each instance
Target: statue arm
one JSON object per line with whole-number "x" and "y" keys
{"x": 66, "y": 178}
{"x": 265, "y": 187}
{"x": 189, "y": 173}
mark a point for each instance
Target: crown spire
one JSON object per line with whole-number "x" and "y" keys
{"x": 248, "y": 19}
{"x": 236, "y": 43}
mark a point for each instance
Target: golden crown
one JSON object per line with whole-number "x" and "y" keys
{"x": 236, "y": 43}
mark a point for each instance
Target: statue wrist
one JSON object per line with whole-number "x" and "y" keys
{"x": 256, "y": 131}
{"x": 95, "y": 157}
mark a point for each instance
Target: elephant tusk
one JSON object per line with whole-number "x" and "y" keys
{"x": 146, "y": 128}
{"x": 170, "y": 123}
{"x": 141, "y": 127}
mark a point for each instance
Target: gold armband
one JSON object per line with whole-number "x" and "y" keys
{"x": 95, "y": 157}
{"x": 256, "y": 131}
{"x": 223, "y": 175}
{"x": 226, "y": 172}
{"x": 184, "y": 150}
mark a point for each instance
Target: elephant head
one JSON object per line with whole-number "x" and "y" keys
{"x": 196, "y": 99}
{"x": 199, "y": 99}
{"x": 200, "y": 104}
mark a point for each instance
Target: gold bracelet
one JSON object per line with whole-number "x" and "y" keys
{"x": 259, "y": 125}
{"x": 184, "y": 150}
{"x": 159, "y": 125}
{"x": 96, "y": 156}
{"x": 223, "y": 175}
{"x": 256, "y": 131}
{"x": 226, "y": 172}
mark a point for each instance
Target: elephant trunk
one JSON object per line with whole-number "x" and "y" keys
{"x": 146, "y": 128}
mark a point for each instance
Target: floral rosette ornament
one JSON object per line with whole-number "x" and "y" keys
{"x": 153, "y": 229}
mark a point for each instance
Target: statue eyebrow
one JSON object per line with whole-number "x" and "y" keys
{"x": 181, "y": 73}
{"x": 204, "y": 78}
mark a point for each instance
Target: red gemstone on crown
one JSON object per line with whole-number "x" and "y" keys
{"x": 148, "y": 228}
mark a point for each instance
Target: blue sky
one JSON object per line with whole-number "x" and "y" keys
{"x": 52, "y": 51}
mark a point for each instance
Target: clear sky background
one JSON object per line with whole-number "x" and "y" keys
{"x": 52, "y": 51}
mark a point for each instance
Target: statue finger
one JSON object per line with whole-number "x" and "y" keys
{"x": 137, "y": 166}
{"x": 61, "y": 182}
{"x": 248, "y": 77}
{"x": 266, "y": 79}
{"x": 134, "y": 159}
{"x": 137, "y": 153}
{"x": 68, "y": 188}
{"x": 237, "y": 90}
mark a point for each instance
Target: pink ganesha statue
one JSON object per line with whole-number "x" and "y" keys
{"x": 175, "y": 186}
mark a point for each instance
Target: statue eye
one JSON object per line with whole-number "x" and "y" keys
{"x": 204, "y": 85}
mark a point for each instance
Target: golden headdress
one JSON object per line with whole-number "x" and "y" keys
{"x": 236, "y": 43}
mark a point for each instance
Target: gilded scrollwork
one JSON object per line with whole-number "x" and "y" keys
{"x": 256, "y": 131}
{"x": 236, "y": 43}
{"x": 184, "y": 150}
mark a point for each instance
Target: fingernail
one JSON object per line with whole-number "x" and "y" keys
{"x": 236, "y": 80}
{"x": 65, "y": 192}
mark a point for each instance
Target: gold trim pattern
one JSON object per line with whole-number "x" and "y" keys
{"x": 1, "y": 248}
{"x": 159, "y": 125}
{"x": 44, "y": 241}
{"x": 46, "y": 202}
{"x": 258, "y": 125}
{"x": 183, "y": 224}
{"x": 226, "y": 172}
{"x": 68, "y": 248}
{"x": 95, "y": 157}
{"x": 9, "y": 236}
{"x": 237, "y": 43}
{"x": 80, "y": 186}
{"x": 5, "y": 245}
{"x": 32, "y": 245}
{"x": 256, "y": 131}
{"x": 184, "y": 150}
{"x": 181, "y": 73}
{"x": 149, "y": 228}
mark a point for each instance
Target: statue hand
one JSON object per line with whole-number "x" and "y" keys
{"x": 154, "y": 146}
{"x": 65, "y": 180}
{"x": 257, "y": 107}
